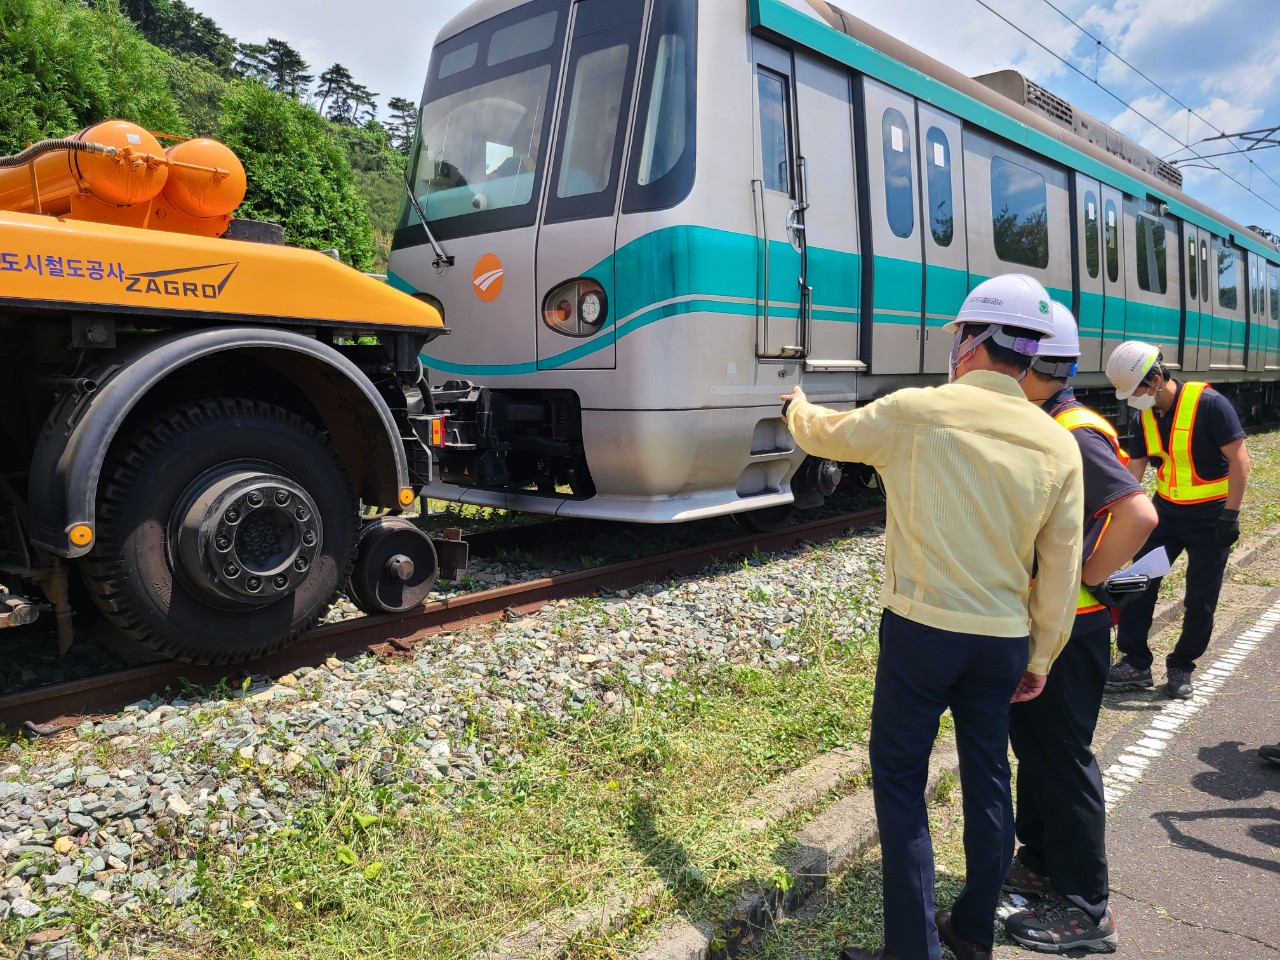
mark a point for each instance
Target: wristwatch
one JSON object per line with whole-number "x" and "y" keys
{"x": 785, "y": 405}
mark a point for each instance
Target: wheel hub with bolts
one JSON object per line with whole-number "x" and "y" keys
{"x": 247, "y": 536}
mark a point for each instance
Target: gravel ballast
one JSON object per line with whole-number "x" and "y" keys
{"x": 109, "y": 813}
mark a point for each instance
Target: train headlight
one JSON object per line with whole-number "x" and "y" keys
{"x": 576, "y": 308}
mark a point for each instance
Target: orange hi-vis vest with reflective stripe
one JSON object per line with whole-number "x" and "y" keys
{"x": 1176, "y": 477}
{"x": 1073, "y": 418}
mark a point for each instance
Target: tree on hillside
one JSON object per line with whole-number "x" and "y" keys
{"x": 286, "y": 70}
{"x": 67, "y": 65}
{"x": 404, "y": 117}
{"x": 334, "y": 83}
{"x": 176, "y": 27}
{"x": 251, "y": 61}
{"x": 299, "y": 176}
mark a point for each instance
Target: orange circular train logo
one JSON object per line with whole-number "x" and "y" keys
{"x": 487, "y": 278}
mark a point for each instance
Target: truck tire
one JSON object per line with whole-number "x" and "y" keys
{"x": 225, "y": 527}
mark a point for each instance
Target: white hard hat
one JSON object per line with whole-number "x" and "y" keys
{"x": 1011, "y": 300}
{"x": 1129, "y": 365}
{"x": 1057, "y": 353}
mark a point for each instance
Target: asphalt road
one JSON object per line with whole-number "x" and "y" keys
{"x": 1194, "y": 822}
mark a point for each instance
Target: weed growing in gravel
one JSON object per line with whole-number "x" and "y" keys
{"x": 608, "y": 803}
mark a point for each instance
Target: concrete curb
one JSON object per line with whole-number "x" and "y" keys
{"x": 793, "y": 793}
{"x": 827, "y": 845}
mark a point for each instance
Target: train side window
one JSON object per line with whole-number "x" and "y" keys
{"x": 1112, "y": 240}
{"x": 942, "y": 219}
{"x": 1204, "y": 271}
{"x": 1228, "y": 278}
{"x": 1275, "y": 296}
{"x": 899, "y": 195}
{"x": 775, "y": 131}
{"x": 1253, "y": 286}
{"x": 1091, "y": 234}
{"x": 1019, "y": 213}
{"x": 662, "y": 165}
{"x": 1149, "y": 241}
{"x": 1193, "y": 273}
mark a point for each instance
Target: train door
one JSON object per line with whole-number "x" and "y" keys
{"x": 830, "y": 267}
{"x": 1113, "y": 273}
{"x": 779, "y": 189}
{"x": 1257, "y": 333}
{"x": 1090, "y": 271}
{"x": 1196, "y": 298}
{"x": 579, "y": 215}
{"x": 893, "y": 273}
{"x": 1228, "y": 327}
{"x": 1271, "y": 359}
{"x": 946, "y": 249}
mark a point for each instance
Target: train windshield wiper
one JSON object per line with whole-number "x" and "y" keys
{"x": 442, "y": 259}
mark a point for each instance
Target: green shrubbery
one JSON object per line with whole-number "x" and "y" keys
{"x": 66, "y": 64}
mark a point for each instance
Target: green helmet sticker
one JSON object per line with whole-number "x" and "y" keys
{"x": 1044, "y": 307}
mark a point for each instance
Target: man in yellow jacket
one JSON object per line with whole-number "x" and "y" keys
{"x": 981, "y": 491}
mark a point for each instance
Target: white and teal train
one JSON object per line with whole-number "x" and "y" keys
{"x": 649, "y": 218}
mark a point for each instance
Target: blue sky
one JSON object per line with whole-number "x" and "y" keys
{"x": 1220, "y": 58}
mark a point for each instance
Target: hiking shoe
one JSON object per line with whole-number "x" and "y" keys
{"x": 1271, "y": 753}
{"x": 1178, "y": 685}
{"x": 1123, "y": 675}
{"x": 1022, "y": 879}
{"x": 1059, "y": 925}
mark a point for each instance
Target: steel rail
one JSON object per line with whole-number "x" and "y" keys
{"x": 48, "y": 709}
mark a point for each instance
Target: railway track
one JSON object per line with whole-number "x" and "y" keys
{"x": 48, "y": 709}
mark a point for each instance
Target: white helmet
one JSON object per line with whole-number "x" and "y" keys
{"x": 1012, "y": 300}
{"x": 1057, "y": 353}
{"x": 1129, "y": 365}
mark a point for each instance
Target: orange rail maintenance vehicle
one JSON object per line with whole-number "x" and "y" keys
{"x": 194, "y": 413}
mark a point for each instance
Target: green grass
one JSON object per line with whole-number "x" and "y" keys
{"x": 606, "y": 804}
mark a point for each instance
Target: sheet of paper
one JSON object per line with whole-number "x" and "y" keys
{"x": 1154, "y": 564}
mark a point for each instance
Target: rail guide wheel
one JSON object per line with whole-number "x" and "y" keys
{"x": 395, "y": 568}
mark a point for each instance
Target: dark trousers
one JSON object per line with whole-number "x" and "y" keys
{"x": 921, "y": 672}
{"x": 1061, "y": 818}
{"x": 1206, "y": 562}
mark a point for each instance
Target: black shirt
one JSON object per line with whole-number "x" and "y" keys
{"x": 1106, "y": 481}
{"x": 1216, "y": 425}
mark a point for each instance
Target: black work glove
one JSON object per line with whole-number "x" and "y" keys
{"x": 1226, "y": 529}
{"x": 1118, "y": 592}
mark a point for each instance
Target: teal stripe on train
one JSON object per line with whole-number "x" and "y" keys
{"x": 693, "y": 264}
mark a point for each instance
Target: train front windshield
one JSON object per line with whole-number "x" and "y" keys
{"x": 482, "y": 141}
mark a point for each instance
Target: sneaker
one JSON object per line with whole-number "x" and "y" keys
{"x": 1125, "y": 676}
{"x": 1271, "y": 753}
{"x": 1022, "y": 879}
{"x": 1059, "y": 925}
{"x": 1178, "y": 685}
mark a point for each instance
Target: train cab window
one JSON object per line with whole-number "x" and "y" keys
{"x": 1019, "y": 213}
{"x": 1228, "y": 279}
{"x": 1193, "y": 273}
{"x": 775, "y": 131}
{"x": 1111, "y": 233}
{"x": 597, "y": 99}
{"x": 464, "y": 58}
{"x": 1149, "y": 243}
{"x": 899, "y": 195}
{"x": 1204, "y": 271}
{"x": 1091, "y": 234}
{"x": 521, "y": 39}
{"x": 662, "y": 162}
{"x": 481, "y": 148}
{"x": 942, "y": 219}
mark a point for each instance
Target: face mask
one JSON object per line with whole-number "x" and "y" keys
{"x": 959, "y": 351}
{"x": 1144, "y": 402}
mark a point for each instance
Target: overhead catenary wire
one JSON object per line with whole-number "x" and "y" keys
{"x": 1126, "y": 104}
{"x": 1191, "y": 112}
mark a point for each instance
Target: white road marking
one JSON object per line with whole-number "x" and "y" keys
{"x": 1129, "y": 767}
